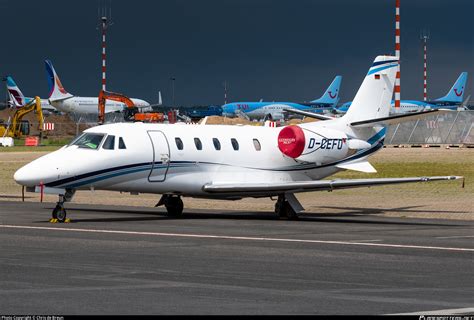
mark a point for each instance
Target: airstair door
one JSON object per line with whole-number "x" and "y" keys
{"x": 161, "y": 156}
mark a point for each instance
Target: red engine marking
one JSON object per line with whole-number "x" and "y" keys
{"x": 291, "y": 141}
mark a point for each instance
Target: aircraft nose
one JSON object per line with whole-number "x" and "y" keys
{"x": 227, "y": 110}
{"x": 25, "y": 177}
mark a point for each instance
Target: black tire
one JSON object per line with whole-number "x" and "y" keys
{"x": 280, "y": 209}
{"x": 59, "y": 213}
{"x": 174, "y": 207}
{"x": 290, "y": 213}
{"x": 284, "y": 210}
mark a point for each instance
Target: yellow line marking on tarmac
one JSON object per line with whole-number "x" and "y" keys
{"x": 204, "y": 236}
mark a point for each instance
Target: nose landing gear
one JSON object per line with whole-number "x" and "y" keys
{"x": 59, "y": 212}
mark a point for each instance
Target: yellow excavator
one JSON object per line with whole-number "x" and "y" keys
{"x": 13, "y": 129}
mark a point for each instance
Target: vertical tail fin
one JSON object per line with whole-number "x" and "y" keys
{"x": 56, "y": 89}
{"x": 16, "y": 96}
{"x": 331, "y": 96}
{"x": 374, "y": 96}
{"x": 457, "y": 91}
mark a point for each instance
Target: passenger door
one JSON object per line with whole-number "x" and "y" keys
{"x": 161, "y": 156}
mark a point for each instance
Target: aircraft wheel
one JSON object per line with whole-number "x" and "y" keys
{"x": 59, "y": 213}
{"x": 284, "y": 210}
{"x": 174, "y": 206}
{"x": 280, "y": 208}
{"x": 290, "y": 213}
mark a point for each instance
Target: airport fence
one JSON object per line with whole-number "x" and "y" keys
{"x": 453, "y": 128}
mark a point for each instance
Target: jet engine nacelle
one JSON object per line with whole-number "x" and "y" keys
{"x": 319, "y": 146}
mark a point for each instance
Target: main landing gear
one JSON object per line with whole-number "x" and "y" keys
{"x": 173, "y": 205}
{"x": 287, "y": 206}
{"x": 59, "y": 212}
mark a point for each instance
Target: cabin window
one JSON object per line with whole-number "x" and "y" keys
{"x": 122, "y": 144}
{"x": 217, "y": 143}
{"x": 235, "y": 144}
{"x": 89, "y": 140}
{"x": 179, "y": 143}
{"x": 257, "y": 144}
{"x": 198, "y": 143}
{"x": 109, "y": 143}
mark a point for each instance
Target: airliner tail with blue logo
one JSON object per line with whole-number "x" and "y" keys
{"x": 456, "y": 94}
{"x": 331, "y": 96}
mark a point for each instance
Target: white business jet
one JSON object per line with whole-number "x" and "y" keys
{"x": 227, "y": 162}
{"x": 68, "y": 103}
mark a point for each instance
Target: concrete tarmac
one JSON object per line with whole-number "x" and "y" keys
{"x": 133, "y": 260}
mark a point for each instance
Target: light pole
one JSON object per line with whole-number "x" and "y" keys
{"x": 172, "y": 88}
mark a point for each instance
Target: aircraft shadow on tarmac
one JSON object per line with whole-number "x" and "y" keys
{"x": 354, "y": 215}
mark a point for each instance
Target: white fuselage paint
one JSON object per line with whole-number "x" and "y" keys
{"x": 152, "y": 163}
{"x": 89, "y": 105}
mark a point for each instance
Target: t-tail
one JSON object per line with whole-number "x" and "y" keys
{"x": 369, "y": 114}
{"x": 331, "y": 96}
{"x": 17, "y": 98}
{"x": 456, "y": 94}
{"x": 56, "y": 89}
{"x": 372, "y": 101}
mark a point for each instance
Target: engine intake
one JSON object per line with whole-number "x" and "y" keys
{"x": 318, "y": 145}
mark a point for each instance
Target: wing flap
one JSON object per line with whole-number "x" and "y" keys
{"x": 306, "y": 186}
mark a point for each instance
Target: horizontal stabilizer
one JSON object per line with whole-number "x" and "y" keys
{"x": 308, "y": 114}
{"x": 361, "y": 166}
{"x": 272, "y": 188}
{"x": 399, "y": 118}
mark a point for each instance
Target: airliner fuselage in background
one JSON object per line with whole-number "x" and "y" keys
{"x": 227, "y": 162}
{"x": 68, "y": 103}
{"x": 453, "y": 100}
{"x": 276, "y": 110}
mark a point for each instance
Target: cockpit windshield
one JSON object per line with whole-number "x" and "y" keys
{"x": 88, "y": 140}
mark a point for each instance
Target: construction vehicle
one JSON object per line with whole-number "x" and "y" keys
{"x": 131, "y": 113}
{"x": 13, "y": 129}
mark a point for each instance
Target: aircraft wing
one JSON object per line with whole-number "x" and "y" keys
{"x": 274, "y": 188}
{"x": 308, "y": 114}
{"x": 399, "y": 118}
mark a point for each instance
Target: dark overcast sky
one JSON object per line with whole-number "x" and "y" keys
{"x": 270, "y": 49}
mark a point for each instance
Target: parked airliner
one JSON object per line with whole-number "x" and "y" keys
{"x": 276, "y": 110}
{"x": 18, "y": 100}
{"x": 453, "y": 100}
{"x": 228, "y": 162}
{"x": 68, "y": 103}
